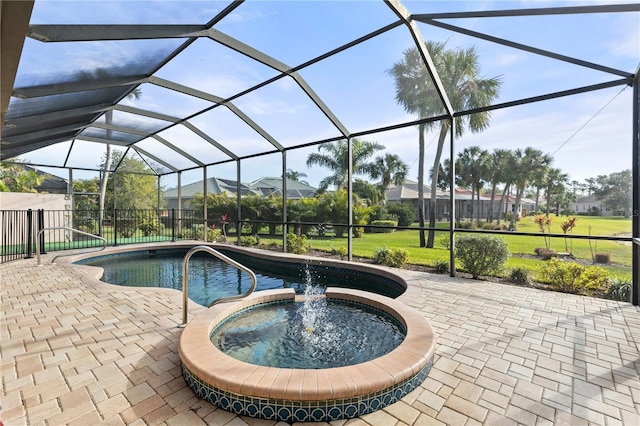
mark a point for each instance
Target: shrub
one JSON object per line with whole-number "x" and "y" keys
{"x": 441, "y": 267}
{"x": 391, "y": 257}
{"x": 619, "y": 289}
{"x": 602, "y": 258}
{"x": 545, "y": 253}
{"x": 392, "y": 223}
{"x": 445, "y": 241}
{"x": 378, "y": 213}
{"x": 404, "y": 212}
{"x": 572, "y": 277}
{"x": 467, "y": 225}
{"x": 297, "y": 244}
{"x": 213, "y": 234}
{"x": 495, "y": 226}
{"x": 127, "y": 227}
{"x": 519, "y": 275}
{"x": 89, "y": 227}
{"x": 150, "y": 227}
{"x": 249, "y": 240}
{"x": 340, "y": 251}
{"x": 481, "y": 255}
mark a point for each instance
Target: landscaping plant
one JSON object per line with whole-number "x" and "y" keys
{"x": 571, "y": 277}
{"x": 619, "y": 289}
{"x": 297, "y": 244}
{"x": 391, "y": 257}
{"x": 481, "y": 255}
{"x": 544, "y": 225}
{"x": 340, "y": 251}
{"x": 567, "y": 227}
{"x": 519, "y": 275}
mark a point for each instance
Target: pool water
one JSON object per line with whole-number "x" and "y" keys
{"x": 278, "y": 335}
{"x": 211, "y": 278}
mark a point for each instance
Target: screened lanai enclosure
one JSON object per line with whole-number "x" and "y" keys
{"x": 230, "y": 94}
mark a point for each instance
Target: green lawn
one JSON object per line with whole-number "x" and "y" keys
{"x": 519, "y": 245}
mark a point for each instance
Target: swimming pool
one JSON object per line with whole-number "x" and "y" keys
{"x": 210, "y": 278}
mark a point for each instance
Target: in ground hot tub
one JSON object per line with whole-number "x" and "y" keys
{"x": 305, "y": 394}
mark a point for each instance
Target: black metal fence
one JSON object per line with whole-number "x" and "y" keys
{"x": 20, "y": 228}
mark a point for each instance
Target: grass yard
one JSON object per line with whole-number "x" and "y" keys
{"x": 521, "y": 247}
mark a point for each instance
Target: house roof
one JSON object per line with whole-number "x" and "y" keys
{"x": 264, "y": 186}
{"x": 273, "y": 186}
{"x": 588, "y": 199}
{"x": 409, "y": 191}
{"x": 214, "y": 186}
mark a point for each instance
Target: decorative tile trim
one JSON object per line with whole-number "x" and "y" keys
{"x": 304, "y": 411}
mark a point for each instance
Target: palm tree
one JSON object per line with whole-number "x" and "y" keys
{"x": 336, "y": 159}
{"x": 472, "y": 167}
{"x": 391, "y": 169}
{"x": 459, "y": 72}
{"x": 293, "y": 175}
{"x": 443, "y": 175}
{"x": 526, "y": 165}
{"x": 554, "y": 184}
{"x": 539, "y": 182}
{"x": 498, "y": 166}
{"x": 508, "y": 176}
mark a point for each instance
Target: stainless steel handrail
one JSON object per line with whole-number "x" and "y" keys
{"x": 185, "y": 279}
{"x": 77, "y": 231}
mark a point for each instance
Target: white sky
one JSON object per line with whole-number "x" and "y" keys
{"x": 589, "y": 134}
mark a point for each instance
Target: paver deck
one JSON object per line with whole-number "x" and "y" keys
{"x": 79, "y": 354}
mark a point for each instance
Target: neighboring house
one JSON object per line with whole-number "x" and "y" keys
{"x": 407, "y": 193}
{"x": 590, "y": 205}
{"x": 264, "y": 186}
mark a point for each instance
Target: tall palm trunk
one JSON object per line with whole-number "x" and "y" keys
{"x": 505, "y": 194}
{"x": 514, "y": 215}
{"x": 493, "y": 198}
{"x": 434, "y": 182}
{"x": 421, "y": 129}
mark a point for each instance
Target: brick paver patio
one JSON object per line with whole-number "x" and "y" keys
{"x": 82, "y": 354}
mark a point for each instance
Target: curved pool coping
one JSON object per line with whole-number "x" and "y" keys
{"x": 291, "y": 395}
{"x": 96, "y": 272}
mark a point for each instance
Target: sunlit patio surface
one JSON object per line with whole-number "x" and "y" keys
{"x": 75, "y": 353}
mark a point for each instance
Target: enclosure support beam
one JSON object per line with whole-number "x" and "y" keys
{"x": 349, "y": 199}
{"x": 452, "y": 199}
{"x": 284, "y": 201}
{"x": 635, "y": 245}
{"x": 238, "y": 201}
{"x": 205, "y": 203}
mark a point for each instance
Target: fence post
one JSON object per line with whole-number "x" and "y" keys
{"x": 29, "y": 233}
{"x": 115, "y": 227}
{"x": 40, "y": 228}
{"x": 173, "y": 225}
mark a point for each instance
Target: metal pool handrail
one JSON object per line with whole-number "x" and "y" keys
{"x": 185, "y": 281}
{"x": 77, "y": 231}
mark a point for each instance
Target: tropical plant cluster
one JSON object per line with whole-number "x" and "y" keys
{"x": 15, "y": 177}
{"x": 307, "y": 215}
